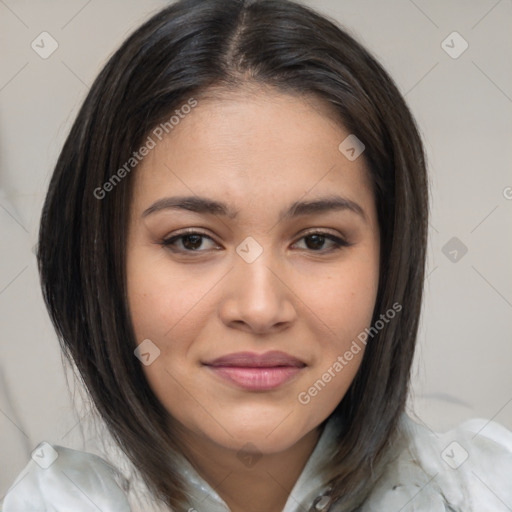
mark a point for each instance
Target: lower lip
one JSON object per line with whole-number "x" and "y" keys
{"x": 257, "y": 379}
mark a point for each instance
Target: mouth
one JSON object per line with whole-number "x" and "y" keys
{"x": 256, "y": 372}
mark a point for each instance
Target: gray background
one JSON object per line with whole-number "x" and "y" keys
{"x": 463, "y": 106}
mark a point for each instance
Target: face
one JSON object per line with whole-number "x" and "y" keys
{"x": 245, "y": 310}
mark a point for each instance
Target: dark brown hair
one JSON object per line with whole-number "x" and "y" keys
{"x": 186, "y": 49}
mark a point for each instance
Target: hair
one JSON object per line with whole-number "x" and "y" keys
{"x": 188, "y": 49}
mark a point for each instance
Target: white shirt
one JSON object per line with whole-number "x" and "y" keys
{"x": 468, "y": 469}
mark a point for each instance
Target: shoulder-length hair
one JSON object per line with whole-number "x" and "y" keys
{"x": 187, "y": 49}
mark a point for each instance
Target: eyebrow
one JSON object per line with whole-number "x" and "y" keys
{"x": 205, "y": 205}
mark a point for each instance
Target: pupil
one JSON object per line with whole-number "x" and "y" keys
{"x": 197, "y": 238}
{"x": 319, "y": 240}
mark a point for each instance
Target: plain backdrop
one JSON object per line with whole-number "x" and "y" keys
{"x": 462, "y": 103}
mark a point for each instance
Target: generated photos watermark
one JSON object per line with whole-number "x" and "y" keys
{"x": 304, "y": 397}
{"x": 137, "y": 156}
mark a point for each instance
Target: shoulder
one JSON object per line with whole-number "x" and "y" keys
{"x": 66, "y": 479}
{"x": 467, "y": 468}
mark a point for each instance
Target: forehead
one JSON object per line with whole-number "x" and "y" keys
{"x": 250, "y": 144}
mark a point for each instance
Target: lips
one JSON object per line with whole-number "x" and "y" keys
{"x": 256, "y": 372}
{"x": 252, "y": 360}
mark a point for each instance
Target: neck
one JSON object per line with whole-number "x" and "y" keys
{"x": 252, "y": 483}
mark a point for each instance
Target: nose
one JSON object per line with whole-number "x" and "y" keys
{"x": 257, "y": 297}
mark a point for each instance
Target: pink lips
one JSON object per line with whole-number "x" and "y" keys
{"x": 257, "y": 372}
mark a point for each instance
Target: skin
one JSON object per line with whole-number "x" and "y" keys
{"x": 257, "y": 150}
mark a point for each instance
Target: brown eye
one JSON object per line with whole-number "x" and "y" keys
{"x": 317, "y": 241}
{"x": 190, "y": 241}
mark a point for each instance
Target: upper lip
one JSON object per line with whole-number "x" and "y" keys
{"x": 251, "y": 359}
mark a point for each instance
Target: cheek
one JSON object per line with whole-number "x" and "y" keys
{"x": 342, "y": 300}
{"x": 162, "y": 299}
{"x": 165, "y": 307}
{"x": 341, "y": 306}
{"x": 343, "y": 310}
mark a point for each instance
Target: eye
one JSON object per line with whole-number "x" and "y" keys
{"x": 318, "y": 238}
{"x": 191, "y": 241}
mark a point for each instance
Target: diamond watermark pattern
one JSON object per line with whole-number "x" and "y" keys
{"x": 454, "y": 45}
{"x": 454, "y": 455}
{"x": 249, "y": 455}
{"x": 44, "y": 455}
{"x": 147, "y": 352}
{"x": 249, "y": 250}
{"x": 351, "y": 147}
{"x": 44, "y": 45}
{"x": 454, "y": 249}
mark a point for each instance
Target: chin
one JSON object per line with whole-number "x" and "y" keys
{"x": 268, "y": 435}
{"x": 261, "y": 443}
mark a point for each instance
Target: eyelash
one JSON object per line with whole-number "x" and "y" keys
{"x": 339, "y": 243}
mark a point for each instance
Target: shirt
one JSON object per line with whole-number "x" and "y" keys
{"x": 467, "y": 469}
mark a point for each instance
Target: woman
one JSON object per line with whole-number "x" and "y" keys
{"x": 232, "y": 251}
